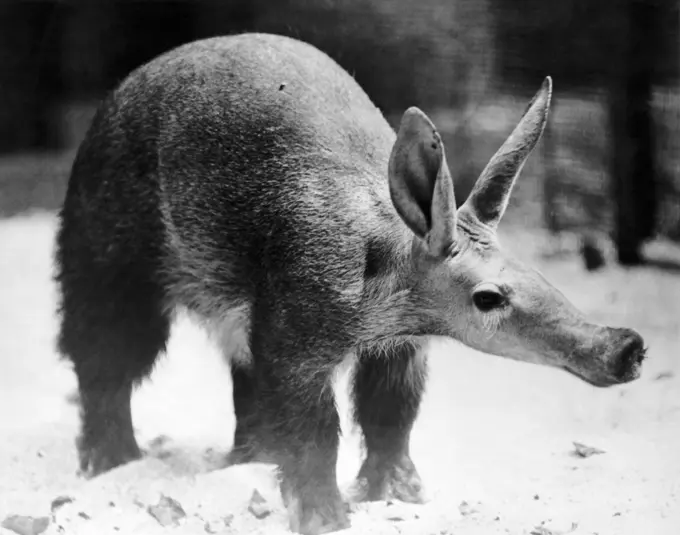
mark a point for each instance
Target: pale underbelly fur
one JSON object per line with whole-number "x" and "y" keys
{"x": 231, "y": 331}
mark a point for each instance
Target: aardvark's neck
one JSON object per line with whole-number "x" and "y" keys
{"x": 392, "y": 306}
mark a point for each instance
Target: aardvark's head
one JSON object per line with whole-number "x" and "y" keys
{"x": 486, "y": 298}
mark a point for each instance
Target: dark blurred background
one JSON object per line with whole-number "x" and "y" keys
{"x": 608, "y": 167}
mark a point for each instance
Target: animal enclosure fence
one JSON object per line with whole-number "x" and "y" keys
{"x": 577, "y": 148}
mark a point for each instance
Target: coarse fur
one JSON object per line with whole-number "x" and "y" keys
{"x": 250, "y": 180}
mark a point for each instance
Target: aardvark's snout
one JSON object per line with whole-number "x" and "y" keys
{"x": 617, "y": 359}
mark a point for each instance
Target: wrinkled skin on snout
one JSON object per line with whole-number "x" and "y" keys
{"x": 480, "y": 294}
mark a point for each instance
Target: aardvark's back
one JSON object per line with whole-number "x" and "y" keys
{"x": 259, "y": 151}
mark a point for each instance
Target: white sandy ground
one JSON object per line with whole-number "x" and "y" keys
{"x": 493, "y": 433}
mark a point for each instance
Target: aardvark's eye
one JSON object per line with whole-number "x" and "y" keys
{"x": 488, "y": 297}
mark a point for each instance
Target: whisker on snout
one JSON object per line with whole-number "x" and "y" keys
{"x": 643, "y": 353}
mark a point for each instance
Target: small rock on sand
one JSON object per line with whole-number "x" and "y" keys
{"x": 583, "y": 451}
{"x": 26, "y": 525}
{"x": 59, "y": 502}
{"x": 167, "y": 511}
{"x": 258, "y": 506}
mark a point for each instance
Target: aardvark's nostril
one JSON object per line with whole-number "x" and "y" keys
{"x": 631, "y": 356}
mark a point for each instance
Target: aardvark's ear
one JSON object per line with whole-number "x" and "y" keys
{"x": 420, "y": 183}
{"x": 489, "y": 197}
